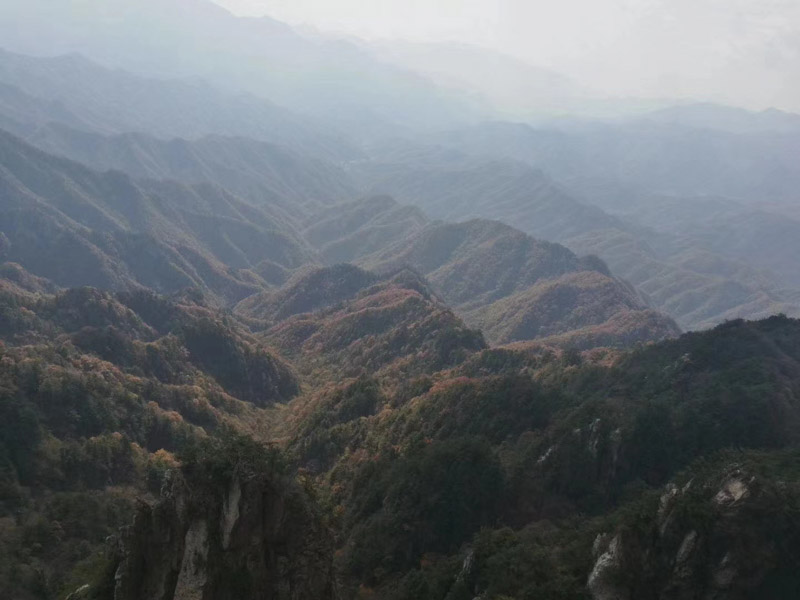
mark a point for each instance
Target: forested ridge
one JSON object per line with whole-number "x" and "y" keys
{"x": 440, "y": 467}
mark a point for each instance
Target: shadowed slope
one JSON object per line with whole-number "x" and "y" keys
{"x": 504, "y": 282}
{"x": 76, "y": 226}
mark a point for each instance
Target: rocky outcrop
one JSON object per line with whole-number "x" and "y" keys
{"x": 258, "y": 539}
{"x": 603, "y": 581}
{"x": 731, "y": 536}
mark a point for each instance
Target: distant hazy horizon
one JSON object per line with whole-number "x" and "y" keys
{"x": 738, "y": 52}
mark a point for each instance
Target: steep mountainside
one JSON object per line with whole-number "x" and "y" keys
{"x": 76, "y": 226}
{"x": 666, "y": 265}
{"x": 479, "y": 261}
{"x": 585, "y": 475}
{"x": 588, "y": 474}
{"x": 365, "y": 325}
{"x": 228, "y": 525}
{"x": 583, "y": 310}
{"x": 679, "y": 277}
{"x": 668, "y": 171}
{"x": 513, "y": 287}
{"x": 96, "y": 393}
{"x": 309, "y": 290}
{"x": 270, "y": 176}
{"x": 499, "y": 280}
{"x": 166, "y": 339}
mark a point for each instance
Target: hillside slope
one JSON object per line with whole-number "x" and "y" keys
{"x": 400, "y": 409}
{"x": 365, "y": 324}
{"x": 587, "y": 476}
{"x": 75, "y": 226}
{"x": 270, "y": 176}
{"x": 668, "y": 267}
{"x": 97, "y": 391}
{"x": 498, "y": 279}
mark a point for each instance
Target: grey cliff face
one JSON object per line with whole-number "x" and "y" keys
{"x": 708, "y": 540}
{"x": 256, "y": 540}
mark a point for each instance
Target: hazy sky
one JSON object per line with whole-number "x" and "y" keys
{"x": 743, "y": 52}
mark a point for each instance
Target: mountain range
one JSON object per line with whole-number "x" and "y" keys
{"x": 632, "y": 229}
{"x": 75, "y": 226}
{"x": 380, "y": 345}
{"x": 491, "y": 171}
{"x": 580, "y": 466}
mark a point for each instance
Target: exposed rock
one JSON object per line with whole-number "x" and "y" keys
{"x": 230, "y": 512}
{"x": 733, "y": 490}
{"x": 594, "y": 436}
{"x": 725, "y": 573}
{"x": 603, "y": 580}
{"x": 685, "y": 553}
{"x": 261, "y": 540}
{"x": 615, "y": 439}
{"x": 665, "y": 505}
{"x": 193, "y": 576}
{"x": 667, "y": 499}
{"x": 727, "y": 537}
{"x": 82, "y": 592}
{"x": 599, "y": 544}
{"x": 467, "y": 567}
{"x": 545, "y": 456}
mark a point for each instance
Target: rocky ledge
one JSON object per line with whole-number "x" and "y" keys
{"x": 730, "y": 536}
{"x": 256, "y": 539}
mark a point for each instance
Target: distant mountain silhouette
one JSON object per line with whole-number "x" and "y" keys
{"x": 85, "y": 95}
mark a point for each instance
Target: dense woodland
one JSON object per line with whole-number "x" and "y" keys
{"x": 441, "y": 467}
